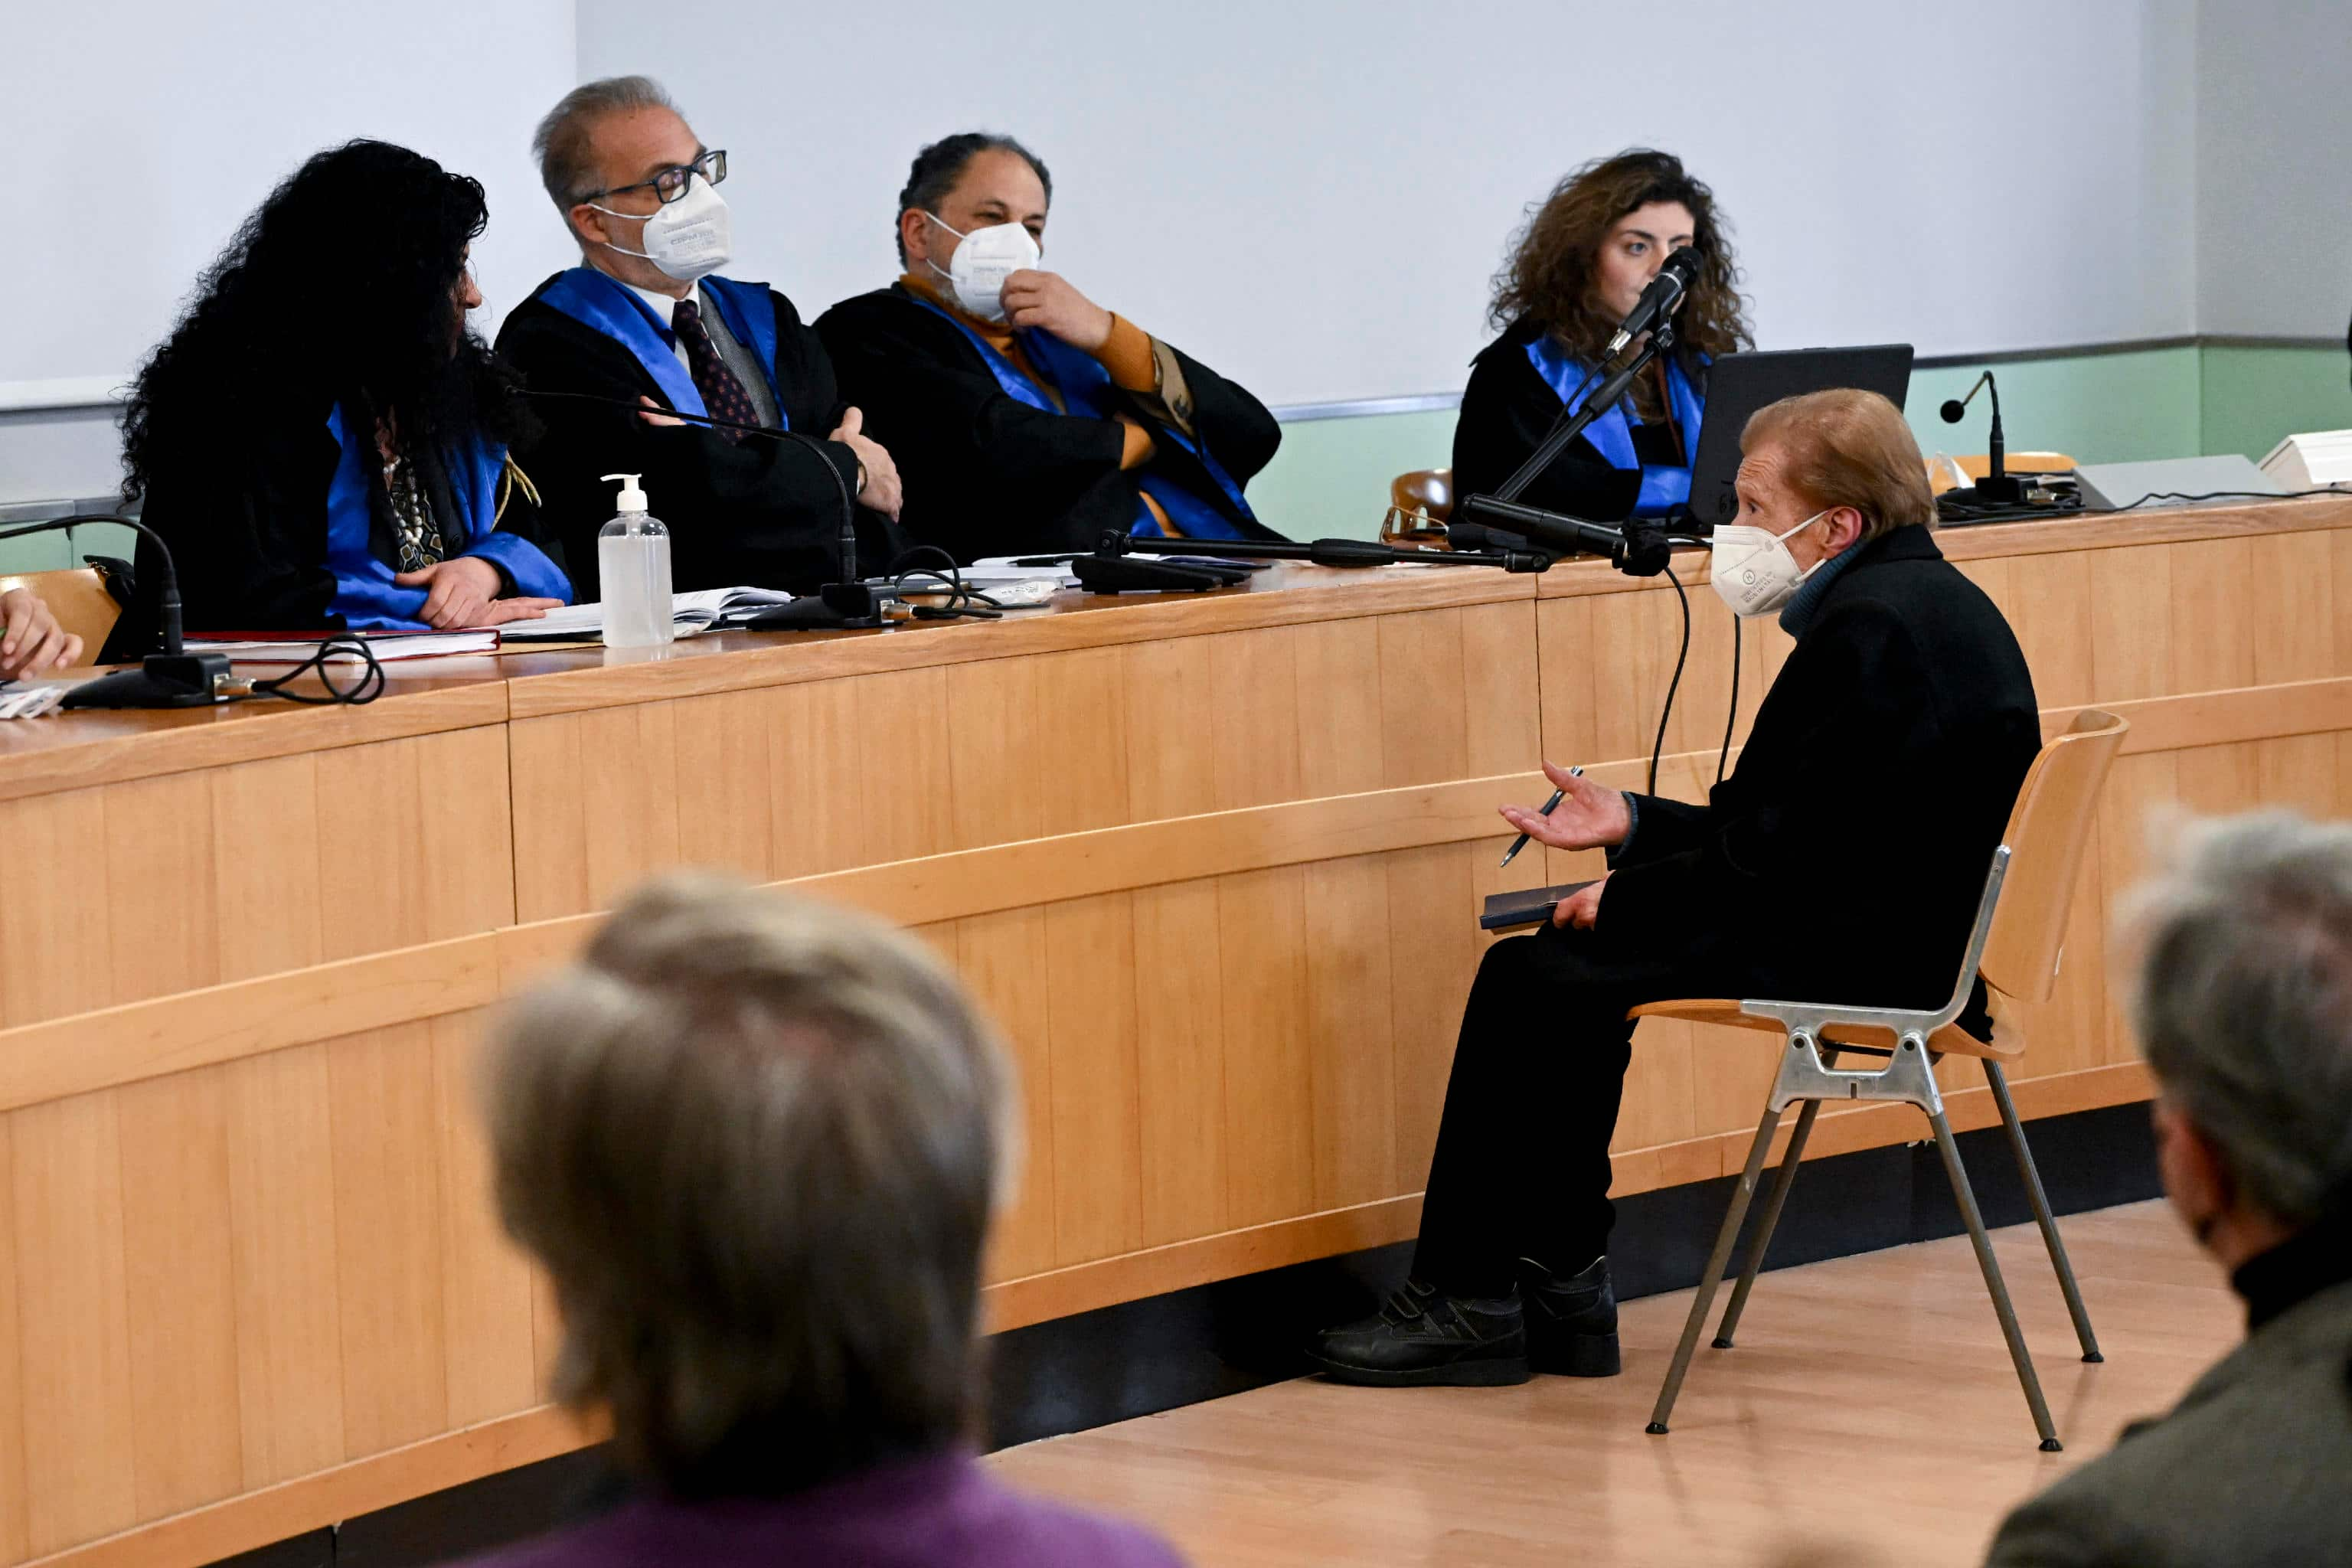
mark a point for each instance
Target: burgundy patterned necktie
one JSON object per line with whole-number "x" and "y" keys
{"x": 723, "y": 397}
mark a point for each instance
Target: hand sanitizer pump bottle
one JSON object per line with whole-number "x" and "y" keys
{"x": 633, "y": 560}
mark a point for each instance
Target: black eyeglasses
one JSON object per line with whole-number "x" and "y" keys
{"x": 672, "y": 182}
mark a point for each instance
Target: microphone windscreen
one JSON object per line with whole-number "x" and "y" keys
{"x": 1953, "y": 409}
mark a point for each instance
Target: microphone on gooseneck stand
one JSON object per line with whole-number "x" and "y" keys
{"x": 1997, "y": 488}
{"x": 1659, "y": 301}
{"x": 846, "y": 606}
{"x": 172, "y": 678}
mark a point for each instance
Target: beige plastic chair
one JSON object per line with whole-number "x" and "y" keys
{"x": 78, "y": 598}
{"x": 2020, "y": 928}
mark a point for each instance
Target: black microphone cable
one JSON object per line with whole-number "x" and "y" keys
{"x": 1731, "y": 715}
{"x": 1665, "y": 711}
{"x": 323, "y": 660}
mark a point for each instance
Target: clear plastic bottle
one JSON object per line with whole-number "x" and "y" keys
{"x": 633, "y": 560}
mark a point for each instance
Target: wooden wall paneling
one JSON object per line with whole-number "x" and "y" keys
{"x": 1433, "y": 954}
{"x": 1704, "y": 696}
{"x": 2131, "y": 625}
{"x": 12, "y": 1541}
{"x": 388, "y": 1269}
{"x": 2295, "y": 636}
{"x": 1002, "y": 960}
{"x": 815, "y": 787}
{"x": 74, "y": 1335}
{"x": 725, "y": 814}
{"x": 1425, "y": 681}
{"x": 2054, "y": 625}
{"x": 1775, "y": 645}
{"x": 1635, "y": 636}
{"x": 1091, "y": 732}
{"x": 2213, "y": 613}
{"x": 903, "y": 763}
{"x": 546, "y": 1333}
{"x": 548, "y": 773}
{"x": 1269, "y": 1109}
{"x": 465, "y": 791}
{"x": 1731, "y": 1071}
{"x": 1166, "y": 700}
{"x": 1502, "y": 695}
{"x": 1350, "y": 1040}
{"x": 629, "y": 809}
{"x": 1337, "y": 668}
{"x": 2214, "y": 780}
{"x": 486, "y": 1305}
{"x": 1097, "y": 1133}
{"x": 994, "y": 722}
{"x": 54, "y": 947}
{"x": 1184, "y": 1006}
{"x": 1254, "y": 725}
{"x": 180, "y": 1288}
{"x": 2297, "y": 771}
{"x": 1660, "y": 1104}
{"x": 284, "y": 1261}
{"x": 2069, "y": 1031}
{"x": 1569, "y": 733}
{"x": 373, "y": 844}
{"x": 162, "y": 923}
{"x": 2139, "y": 791}
{"x": 2339, "y": 580}
{"x": 266, "y": 866}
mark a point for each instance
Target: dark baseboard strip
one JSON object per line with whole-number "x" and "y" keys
{"x": 1143, "y": 1357}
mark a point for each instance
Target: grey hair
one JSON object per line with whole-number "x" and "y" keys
{"x": 2242, "y": 999}
{"x": 560, "y": 143}
{"x": 757, "y": 1142}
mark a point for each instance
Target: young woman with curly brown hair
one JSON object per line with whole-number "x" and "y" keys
{"x": 1575, "y": 270}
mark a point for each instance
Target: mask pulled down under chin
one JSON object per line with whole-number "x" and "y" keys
{"x": 983, "y": 262}
{"x": 1751, "y": 570}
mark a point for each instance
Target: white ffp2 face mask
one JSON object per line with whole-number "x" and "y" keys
{"x": 1750, "y": 568}
{"x": 983, "y": 262}
{"x": 689, "y": 239}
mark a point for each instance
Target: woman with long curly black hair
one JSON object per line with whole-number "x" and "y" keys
{"x": 321, "y": 439}
{"x": 1576, "y": 271}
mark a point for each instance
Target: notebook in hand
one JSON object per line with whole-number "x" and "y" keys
{"x": 1528, "y": 907}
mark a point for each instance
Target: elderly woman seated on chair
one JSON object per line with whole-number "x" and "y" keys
{"x": 1845, "y": 857}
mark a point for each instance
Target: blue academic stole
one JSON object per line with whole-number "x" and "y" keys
{"x": 1087, "y": 390}
{"x": 612, "y": 308}
{"x": 366, "y": 595}
{"x": 1663, "y": 490}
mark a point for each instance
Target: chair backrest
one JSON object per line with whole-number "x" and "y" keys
{"x": 80, "y": 600}
{"x": 1429, "y": 491}
{"x": 2046, "y": 835}
{"x": 1949, "y": 473}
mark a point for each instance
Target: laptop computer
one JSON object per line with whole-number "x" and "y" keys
{"x": 1739, "y": 384}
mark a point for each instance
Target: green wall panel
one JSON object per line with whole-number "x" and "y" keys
{"x": 2253, "y": 397}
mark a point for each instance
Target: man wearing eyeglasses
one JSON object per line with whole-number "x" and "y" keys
{"x": 646, "y": 323}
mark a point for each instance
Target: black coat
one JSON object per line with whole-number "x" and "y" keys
{"x": 1844, "y": 859}
{"x": 987, "y": 474}
{"x": 1508, "y": 409}
{"x": 761, "y": 512}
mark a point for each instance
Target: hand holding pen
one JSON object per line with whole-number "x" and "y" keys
{"x": 1581, "y": 814}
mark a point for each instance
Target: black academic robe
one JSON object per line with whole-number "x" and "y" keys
{"x": 762, "y": 512}
{"x": 1508, "y": 408}
{"x": 247, "y": 526}
{"x": 1845, "y": 857}
{"x": 987, "y": 474}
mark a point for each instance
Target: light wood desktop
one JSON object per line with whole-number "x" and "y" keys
{"x": 1214, "y": 862}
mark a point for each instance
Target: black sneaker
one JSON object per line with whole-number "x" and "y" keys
{"x": 1571, "y": 1321}
{"x": 1423, "y": 1337}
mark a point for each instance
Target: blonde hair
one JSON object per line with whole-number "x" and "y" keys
{"x": 1848, "y": 448}
{"x": 757, "y": 1142}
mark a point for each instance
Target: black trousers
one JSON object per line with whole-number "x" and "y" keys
{"x": 1522, "y": 1163}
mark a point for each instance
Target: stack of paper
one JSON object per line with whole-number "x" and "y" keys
{"x": 301, "y": 648}
{"x": 707, "y": 610}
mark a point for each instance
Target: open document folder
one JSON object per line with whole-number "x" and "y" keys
{"x": 707, "y": 610}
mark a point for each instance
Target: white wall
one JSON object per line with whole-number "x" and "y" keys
{"x": 1312, "y": 195}
{"x": 140, "y": 133}
{"x": 2274, "y": 167}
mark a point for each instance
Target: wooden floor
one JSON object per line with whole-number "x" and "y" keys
{"x": 1868, "y": 1415}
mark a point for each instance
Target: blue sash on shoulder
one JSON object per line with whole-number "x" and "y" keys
{"x": 612, "y": 308}
{"x": 1663, "y": 489}
{"x": 366, "y": 595}
{"x": 1086, "y": 389}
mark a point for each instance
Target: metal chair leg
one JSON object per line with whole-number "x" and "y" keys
{"x": 2041, "y": 1214}
{"x": 1783, "y": 1179}
{"x": 2018, "y": 1354}
{"x": 1719, "y": 1259}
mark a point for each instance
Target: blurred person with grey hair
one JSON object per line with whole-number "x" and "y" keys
{"x": 2241, "y": 993}
{"x": 757, "y": 1142}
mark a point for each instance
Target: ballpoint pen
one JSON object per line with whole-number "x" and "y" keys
{"x": 1557, "y": 796}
